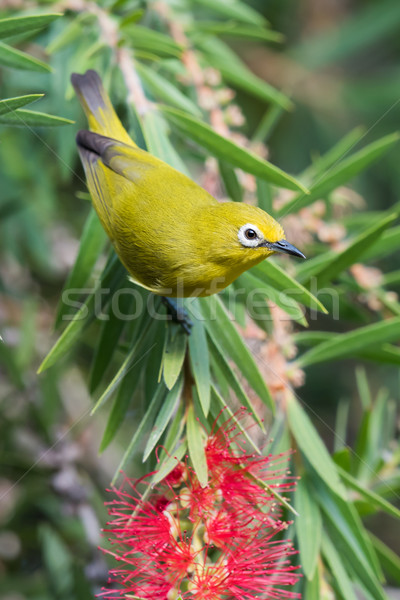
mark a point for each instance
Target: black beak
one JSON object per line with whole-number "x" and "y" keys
{"x": 286, "y": 248}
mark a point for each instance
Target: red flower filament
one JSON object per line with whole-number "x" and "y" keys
{"x": 212, "y": 543}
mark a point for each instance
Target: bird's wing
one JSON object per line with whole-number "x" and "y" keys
{"x": 129, "y": 161}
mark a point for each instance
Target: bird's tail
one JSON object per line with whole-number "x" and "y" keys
{"x": 95, "y": 102}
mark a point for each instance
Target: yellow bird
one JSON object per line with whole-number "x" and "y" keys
{"x": 173, "y": 237}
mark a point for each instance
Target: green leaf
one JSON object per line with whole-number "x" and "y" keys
{"x": 256, "y": 286}
{"x": 173, "y": 437}
{"x": 169, "y": 464}
{"x": 145, "y": 423}
{"x": 337, "y": 567}
{"x": 120, "y": 310}
{"x": 232, "y": 29}
{"x": 312, "y": 446}
{"x": 10, "y": 57}
{"x": 132, "y": 359}
{"x": 112, "y": 275}
{"x": 219, "y": 408}
{"x": 163, "y": 417}
{"x": 200, "y": 364}
{"x": 312, "y": 588}
{"x": 235, "y": 72}
{"x": 121, "y": 404}
{"x": 385, "y": 353}
{"x": 345, "y": 344}
{"x": 227, "y": 150}
{"x": 386, "y": 245}
{"x": 341, "y": 173}
{"x": 143, "y": 38}
{"x": 195, "y": 438}
{"x": 32, "y": 118}
{"x": 224, "y": 332}
{"x": 264, "y": 195}
{"x": 16, "y": 25}
{"x": 120, "y": 407}
{"x": 390, "y": 561}
{"x": 369, "y": 495}
{"x": 70, "y": 32}
{"x": 267, "y": 124}
{"x": 10, "y": 104}
{"x": 92, "y": 241}
{"x": 308, "y": 527}
{"x": 157, "y": 140}
{"x": 231, "y": 183}
{"x": 234, "y": 10}
{"x": 229, "y": 377}
{"x": 162, "y": 89}
{"x": 270, "y": 272}
{"x": 340, "y": 262}
{"x": 174, "y": 354}
{"x": 324, "y": 163}
{"x": 350, "y": 539}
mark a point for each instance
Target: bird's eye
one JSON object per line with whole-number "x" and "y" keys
{"x": 250, "y": 234}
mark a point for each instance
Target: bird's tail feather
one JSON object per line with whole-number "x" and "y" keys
{"x": 95, "y": 102}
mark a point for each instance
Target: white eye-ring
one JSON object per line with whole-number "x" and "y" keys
{"x": 250, "y": 236}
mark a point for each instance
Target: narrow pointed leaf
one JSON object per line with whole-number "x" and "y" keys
{"x": 169, "y": 464}
{"x": 390, "y": 560}
{"x": 234, "y": 10}
{"x": 163, "y": 90}
{"x": 31, "y": 118}
{"x": 121, "y": 405}
{"x": 231, "y": 182}
{"x": 337, "y": 567}
{"x": 195, "y": 438}
{"x": 312, "y": 446}
{"x": 308, "y": 527}
{"x": 234, "y": 71}
{"x": 351, "y": 540}
{"x": 273, "y": 274}
{"x": 218, "y": 405}
{"x": 346, "y": 344}
{"x": 132, "y": 359}
{"x": 258, "y": 286}
{"x": 221, "y": 328}
{"x": 369, "y": 495}
{"x": 111, "y": 277}
{"x": 200, "y": 364}
{"x": 232, "y": 380}
{"x": 155, "y": 131}
{"x": 11, "y": 57}
{"x": 144, "y": 425}
{"x": 234, "y": 30}
{"x": 16, "y": 25}
{"x": 163, "y": 417}
{"x": 340, "y": 262}
{"x": 10, "y": 104}
{"x": 341, "y": 173}
{"x": 227, "y": 150}
{"x": 174, "y": 354}
{"x": 143, "y": 38}
{"x": 92, "y": 241}
{"x": 337, "y": 153}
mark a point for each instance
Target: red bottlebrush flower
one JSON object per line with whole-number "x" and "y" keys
{"x": 212, "y": 543}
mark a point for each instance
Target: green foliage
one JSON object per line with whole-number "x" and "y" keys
{"x": 151, "y": 384}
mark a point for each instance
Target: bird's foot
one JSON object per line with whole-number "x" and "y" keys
{"x": 178, "y": 313}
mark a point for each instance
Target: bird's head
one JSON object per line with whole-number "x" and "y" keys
{"x": 251, "y": 235}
